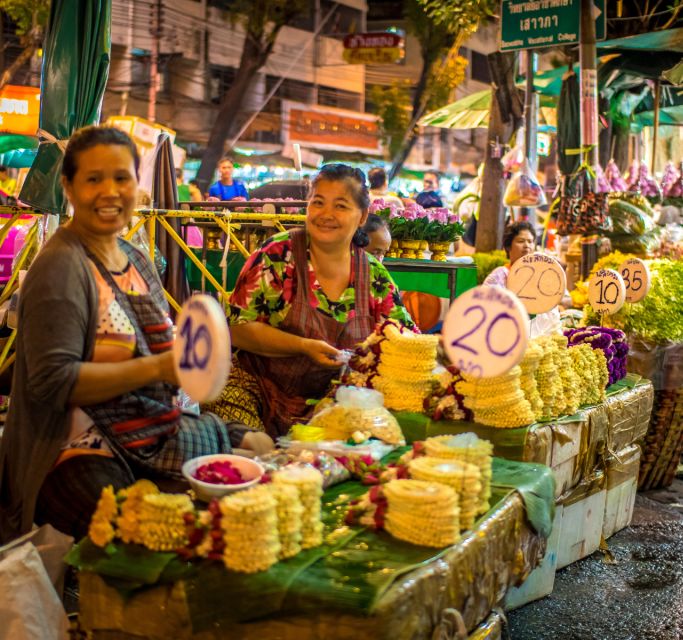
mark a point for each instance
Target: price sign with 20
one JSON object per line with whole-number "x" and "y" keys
{"x": 202, "y": 348}
{"x": 538, "y": 281}
{"x": 636, "y": 277}
{"x": 606, "y": 291}
{"x": 485, "y": 332}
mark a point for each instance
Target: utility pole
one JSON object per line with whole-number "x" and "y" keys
{"x": 589, "y": 85}
{"x": 531, "y": 124}
{"x": 155, "y": 31}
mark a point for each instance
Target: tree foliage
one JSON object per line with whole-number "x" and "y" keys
{"x": 441, "y": 27}
{"x": 31, "y": 18}
{"x": 631, "y": 17}
{"x": 262, "y": 21}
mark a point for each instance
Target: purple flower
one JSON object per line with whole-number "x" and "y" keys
{"x": 438, "y": 214}
{"x": 414, "y": 211}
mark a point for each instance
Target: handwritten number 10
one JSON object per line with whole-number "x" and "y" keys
{"x": 194, "y": 358}
{"x": 603, "y": 298}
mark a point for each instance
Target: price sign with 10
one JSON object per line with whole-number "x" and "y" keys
{"x": 485, "y": 332}
{"x": 539, "y": 281}
{"x": 606, "y": 291}
{"x": 636, "y": 277}
{"x": 202, "y": 348}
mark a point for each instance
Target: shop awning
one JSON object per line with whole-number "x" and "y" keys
{"x": 655, "y": 41}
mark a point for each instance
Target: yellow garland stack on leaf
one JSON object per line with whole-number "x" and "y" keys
{"x": 250, "y": 530}
{"x": 462, "y": 477}
{"x": 289, "y": 512}
{"x": 569, "y": 376}
{"x": 309, "y": 483}
{"x": 101, "y": 529}
{"x": 405, "y": 370}
{"x": 548, "y": 379}
{"x": 161, "y": 520}
{"x": 529, "y": 367}
{"x": 466, "y": 447}
{"x": 497, "y": 402}
{"x": 423, "y": 513}
{"x": 591, "y": 367}
{"x": 128, "y": 522}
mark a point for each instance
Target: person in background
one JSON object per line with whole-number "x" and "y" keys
{"x": 519, "y": 240}
{"x": 379, "y": 236}
{"x": 7, "y": 183}
{"x": 226, "y": 188}
{"x": 183, "y": 190}
{"x": 93, "y": 394}
{"x": 377, "y": 178}
{"x": 301, "y": 299}
{"x": 430, "y": 196}
{"x": 195, "y": 191}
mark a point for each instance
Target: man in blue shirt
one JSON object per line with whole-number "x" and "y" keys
{"x": 226, "y": 188}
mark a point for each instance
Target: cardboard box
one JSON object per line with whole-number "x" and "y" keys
{"x": 621, "y": 471}
{"x": 583, "y": 515}
{"x": 541, "y": 580}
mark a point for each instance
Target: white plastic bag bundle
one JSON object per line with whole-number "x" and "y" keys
{"x": 29, "y": 605}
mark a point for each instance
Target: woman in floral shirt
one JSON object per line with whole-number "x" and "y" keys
{"x": 300, "y": 300}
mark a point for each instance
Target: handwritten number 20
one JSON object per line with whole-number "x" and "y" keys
{"x": 459, "y": 342}
{"x": 194, "y": 357}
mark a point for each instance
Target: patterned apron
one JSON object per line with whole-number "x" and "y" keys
{"x": 286, "y": 383}
{"x": 145, "y": 426}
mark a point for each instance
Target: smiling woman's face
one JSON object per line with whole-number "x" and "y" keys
{"x": 333, "y": 215}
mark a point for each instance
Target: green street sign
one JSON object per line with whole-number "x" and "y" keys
{"x": 531, "y": 24}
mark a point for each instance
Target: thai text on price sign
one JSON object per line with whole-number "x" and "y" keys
{"x": 606, "y": 291}
{"x": 636, "y": 277}
{"x": 202, "y": 348}
{"x": 486, "y": 331}
{"x": 538, "y": 281}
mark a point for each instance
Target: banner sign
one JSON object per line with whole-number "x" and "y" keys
{"x": 19, "y": 110}
{"x": 379, "y": 47}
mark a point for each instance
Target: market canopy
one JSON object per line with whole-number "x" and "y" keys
{"x": 655, "y": 41}
{"x": 472, "y": 112}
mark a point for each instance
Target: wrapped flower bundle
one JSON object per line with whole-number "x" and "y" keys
{"x": 669, "y": 177}
{"x": 675, "y": 189}
{"x": 467, "y": 448}
{"x": 497, "y": 402}
{"x": 642, "y": 181}
{"x": 445, "y": 403}
{"x": 422, "y": 513}
{"x": 614, "y": 178}
{"x": 548, "y": 380}
{"x": 527, "y": 382}
{"x": 602, "y": 183}
{"x": 612, "y": 343}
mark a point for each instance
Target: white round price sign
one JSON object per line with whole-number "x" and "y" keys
{"x": 636, "y": 277}
{"x": 486, "y": 331}
{"x": 606, "y": 291}
{"x": 538, "y": 281}
{"x": 202, "y": 348}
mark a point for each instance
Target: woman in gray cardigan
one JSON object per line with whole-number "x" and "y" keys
{"x": 92, "y": 393}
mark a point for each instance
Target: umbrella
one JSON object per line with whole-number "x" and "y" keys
{"x": 568, "y": 129}
{"x": 165, "y": 196}
{"x": 10, "y": 142}
{"x": 75, "y": 67}
{"x": 472, "y": 112}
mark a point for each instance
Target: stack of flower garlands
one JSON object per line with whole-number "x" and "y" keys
{"x": 397, "y": 362}
{"x": 249, "y": 530}
{"x": 434, "y": 492}
{"x": 555, "y": 378}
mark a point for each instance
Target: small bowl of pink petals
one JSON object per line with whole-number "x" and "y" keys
{"x": 216, "y": 475}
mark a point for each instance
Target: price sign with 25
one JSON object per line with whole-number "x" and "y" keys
{"x": 485, "y": 331}
{"x": 202, "y": 348}
{"x": 538, "y": 281}
{"x": 606, "y": 291}
{"x": 636, "y": 277}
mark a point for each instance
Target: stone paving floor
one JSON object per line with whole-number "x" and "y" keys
{"x": 633, "y": 592}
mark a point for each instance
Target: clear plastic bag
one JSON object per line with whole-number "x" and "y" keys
{"x": 524, "y": 190}
{"x": 358, "y": 410}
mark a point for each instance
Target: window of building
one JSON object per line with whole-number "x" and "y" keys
{"x": 288, "y": 90}
{"x": 479, "y": 68}
{"x": 220, "y": 79}
{"x": 338, "y": 98}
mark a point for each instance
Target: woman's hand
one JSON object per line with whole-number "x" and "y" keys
{"x": 322, "y": 353}
{"x": 167, "y": 370}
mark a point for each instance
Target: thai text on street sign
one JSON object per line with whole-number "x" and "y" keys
{"x": 485, "y": 331}
{"x": 379, "y": 47}
{"x": 530, "y": 24}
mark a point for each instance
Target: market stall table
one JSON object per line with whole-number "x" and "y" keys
{"x": 367, "y": 584}
{"x": 442, "y": 279}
